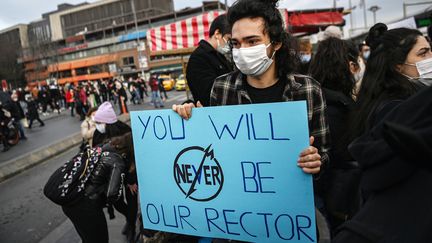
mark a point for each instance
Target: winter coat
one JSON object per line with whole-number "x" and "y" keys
{"x": 340, "y": 181}
{"x": 204, "y": 66}
{"x": 70, "y": 96}
{"x": 395, "y": 158}
{"x": 106, "y": 181}
{"x": 154, "y": 84}
{"x": 32, "y": 111}
{"x": 17, "y": 111}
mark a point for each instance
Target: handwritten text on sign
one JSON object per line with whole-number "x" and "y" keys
{"x": 228, "y": 172}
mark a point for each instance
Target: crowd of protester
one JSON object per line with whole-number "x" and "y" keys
{"x": 26, "y": 105}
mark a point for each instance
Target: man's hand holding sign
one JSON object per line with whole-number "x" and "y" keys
{"x": 195, "y": 175}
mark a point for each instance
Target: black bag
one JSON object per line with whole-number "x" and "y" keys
{"x": 66, "y": 185}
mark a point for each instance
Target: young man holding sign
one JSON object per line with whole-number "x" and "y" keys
{"x": 265, "y": 57}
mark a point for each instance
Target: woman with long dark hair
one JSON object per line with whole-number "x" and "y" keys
{"x": 391, "y": 74}
{"x": 393, "y": 146}
{"x": 337, "y": 66}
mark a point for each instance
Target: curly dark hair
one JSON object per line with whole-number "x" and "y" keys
{"x": 331, "y": 65}
{"x": 287, "y": 58}
{"x": 382, "y": 80}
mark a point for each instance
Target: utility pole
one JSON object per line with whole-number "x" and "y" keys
{"x": 373, "y": 9}
{"x": 351, "y": 17}
{"x": 138, "y": 38}
{"x": 363, "y": 5}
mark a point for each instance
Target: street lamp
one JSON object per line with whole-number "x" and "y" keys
{"x": 373, "y": 9}
{"x": 140, "y": 57}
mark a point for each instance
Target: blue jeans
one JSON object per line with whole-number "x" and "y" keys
{"x": 156, "y": 99}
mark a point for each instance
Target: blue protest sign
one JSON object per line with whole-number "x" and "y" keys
{"x": 228, "y": 172}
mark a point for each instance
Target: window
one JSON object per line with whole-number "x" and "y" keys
{"x": 65, "y": 74}
{"x": 96, "y": 69}
{"x": 128, "y": 61}
{"x": 81, "y": 71}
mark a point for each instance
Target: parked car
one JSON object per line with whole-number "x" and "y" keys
{"x": 181, "y": 83}
{"x": 167, "y": 82}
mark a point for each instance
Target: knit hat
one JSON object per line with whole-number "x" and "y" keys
{"x": 105, "y": 114}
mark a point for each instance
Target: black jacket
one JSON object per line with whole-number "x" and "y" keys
{"x": 32, "y": 110}
{"x": 204, "y": 66}
{"x": 396, "y": 176}
{"x": 17, "y": 111}
{"x": 106, "y": 181}
{"x": 338, "y": 108}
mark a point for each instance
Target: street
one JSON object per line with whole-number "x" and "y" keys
{"x": 26, "y": 215}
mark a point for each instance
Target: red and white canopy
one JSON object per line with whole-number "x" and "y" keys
{"x": 181, "y": 34}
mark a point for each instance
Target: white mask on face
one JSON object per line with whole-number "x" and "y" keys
{"x": 223, "y": 49}
{"x": 253, "y": 60}
{"x": 424, "y": 68}
{"x": 100, "y": 127}
{"x": 358, "y": 77}
{"x": 366, "y": 55}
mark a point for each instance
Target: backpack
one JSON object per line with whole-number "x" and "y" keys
{"x": 66, "y": 185}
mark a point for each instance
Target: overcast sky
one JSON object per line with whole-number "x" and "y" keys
{"x": 24, "y": 11}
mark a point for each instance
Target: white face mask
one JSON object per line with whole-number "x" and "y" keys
{"x": 100, "y": 127}
{"x": 253, "y": 60}
{"x": 366, "y": 55}
{"x": 223, "y": 49}
{"x": 424, "y": 68}
{"x": 358, "y": 77}
{"x": 305, "y": 58}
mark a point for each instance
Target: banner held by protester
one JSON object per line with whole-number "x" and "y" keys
{"x": 228, "y": 172}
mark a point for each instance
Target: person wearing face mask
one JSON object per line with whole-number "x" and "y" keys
{"x": 364, "y": 51}
{"x": 108, "y": 126}
{"x": 18, "y": 114}
{"x": 397, "y": 68}
{"x": 338, "y": 67}
{"x": 104, "y": 186}
{"x": 208, "y": 61}
{"x": 305, "y": 55}
{"x": 267, "y": 62}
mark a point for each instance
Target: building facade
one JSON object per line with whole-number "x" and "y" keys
{"x": 101, "y": 40}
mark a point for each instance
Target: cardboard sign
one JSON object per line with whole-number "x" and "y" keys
{"x": 228, "y": 172}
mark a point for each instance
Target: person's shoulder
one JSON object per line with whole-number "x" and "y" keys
{"x": 304, "y": 80}
{"x": 203, "y": 47}
{"x": 228, "y": 78}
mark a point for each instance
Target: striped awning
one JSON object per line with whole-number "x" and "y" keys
{"x": 181, "y": 34}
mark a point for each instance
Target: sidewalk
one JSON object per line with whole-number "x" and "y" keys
{"x": 66, "y": 232}
{"x": 28, "y": 160}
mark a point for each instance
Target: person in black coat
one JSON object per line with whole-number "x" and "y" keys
{"x": 208, "y": 61}
{"x": 394, "y": 192}
{"x": 104, "y": 186}
{"x": 18, "y": 114}
{"x": 336, "y": 66}
{"x": 32, "y": 111}
{"x": 397, "y": 177}
{"x": 122, "y": 96}
{"x": 107, "y": 127}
